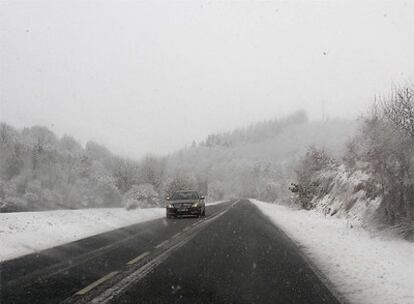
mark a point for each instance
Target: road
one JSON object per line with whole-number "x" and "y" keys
{"x": 234, "y": 255}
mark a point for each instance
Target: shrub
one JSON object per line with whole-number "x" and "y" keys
{"x": 140, "y": 196}
{"x": 309, "y": 184}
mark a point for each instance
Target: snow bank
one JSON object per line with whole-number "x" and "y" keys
{"x": 363, "y": 268}
{"x": 27, "y": 232}
{"x": 216, "y": 203}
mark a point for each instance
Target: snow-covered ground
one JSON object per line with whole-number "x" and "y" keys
{"x": 23, "y": 233}
{"x": 363, "y": 268}
{"x": 27, "y": 232}
{"x": 215, "y": 203}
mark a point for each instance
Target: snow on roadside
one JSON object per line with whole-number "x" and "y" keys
{"x": 22, "y": 233}
{"x": 216, "y": 203}
{"x": 363, "y": 268}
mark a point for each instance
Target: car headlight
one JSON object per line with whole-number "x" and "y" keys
{"x": 194, "y": 205}
{"x": 170, "y": 206}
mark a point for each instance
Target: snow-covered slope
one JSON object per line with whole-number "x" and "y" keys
{"x": 347, "y": 196}
{"x": 27, "y": 232}
{"x": 365, "y": 269}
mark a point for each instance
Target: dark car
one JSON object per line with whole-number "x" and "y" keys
{"x": 183, "y": 203}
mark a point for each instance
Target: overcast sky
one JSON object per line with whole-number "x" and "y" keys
{"x": 150, "y": 76}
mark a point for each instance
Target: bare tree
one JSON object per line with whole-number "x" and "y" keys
{"x": 399, "y": 110}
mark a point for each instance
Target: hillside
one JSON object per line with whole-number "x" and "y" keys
{"x": 258, "y": 161}
{"x": 40, "y": 171}
{"x": 372, "y": 185}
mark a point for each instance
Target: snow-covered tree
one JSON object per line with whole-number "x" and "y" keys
{"x": 180, "y": 181}
{"x": 308, "y": 186}
{"x": 140, "y": 196}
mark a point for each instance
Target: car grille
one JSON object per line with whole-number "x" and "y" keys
{"x": 182, "y": 205}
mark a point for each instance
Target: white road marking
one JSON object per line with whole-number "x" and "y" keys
{"x": 119, "y": 287}
{"x": 138, "y": 258}
{"x": 162, "y": 244}
{"x": 232, "y": 205}
{"x": 96, "y": 283}
{"x": 175, "y": 235}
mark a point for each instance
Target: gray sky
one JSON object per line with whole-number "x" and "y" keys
{"x": 151, "y": 76}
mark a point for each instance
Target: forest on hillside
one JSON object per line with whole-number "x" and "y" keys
{"x": 41, "y": 171}
{"x": 359, "y": 168}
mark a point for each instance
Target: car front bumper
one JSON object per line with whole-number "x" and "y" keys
{"x": 184, "y": 211}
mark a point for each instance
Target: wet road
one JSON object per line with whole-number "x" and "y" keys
{"x": 234, "y": 255}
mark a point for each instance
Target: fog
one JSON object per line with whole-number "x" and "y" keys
{"x": 151, "y": 76}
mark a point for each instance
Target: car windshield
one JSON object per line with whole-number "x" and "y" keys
{"x": 189, "y": 195}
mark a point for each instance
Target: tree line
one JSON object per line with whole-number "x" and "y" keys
{"x": 39, "y": 171}
{"x": 376, "y": 174}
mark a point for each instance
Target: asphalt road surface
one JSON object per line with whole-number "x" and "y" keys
{"x": 234, "y": 255}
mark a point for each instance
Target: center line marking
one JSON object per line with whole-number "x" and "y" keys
{"x": 138, "y": 258}
{"x": 162, "y": 244}
{"x": 118, "y": 288}
{"x": 96, "y": 283}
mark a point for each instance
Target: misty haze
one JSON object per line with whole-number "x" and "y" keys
{"x": 206, "y": 152}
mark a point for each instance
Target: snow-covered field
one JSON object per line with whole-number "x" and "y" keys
{"x": 363, "y": 268}
{"x": 27, "y": 232}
